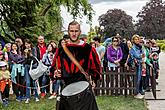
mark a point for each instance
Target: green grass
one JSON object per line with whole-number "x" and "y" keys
{"x": 104, "y": 103}
{"x": 120, "y": 103}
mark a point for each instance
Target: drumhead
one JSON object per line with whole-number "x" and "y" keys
{"x": 75, "y": 88}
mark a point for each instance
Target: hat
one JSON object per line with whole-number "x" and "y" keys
{"x": 2, "y": 63}
{"x": 8, "y": 45}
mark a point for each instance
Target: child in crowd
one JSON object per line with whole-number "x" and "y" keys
{"x": 5, "y": 56}
{"x": 4, "y": 82}
{"x": 155, "y": 63}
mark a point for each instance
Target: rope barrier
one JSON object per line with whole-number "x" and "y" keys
{"x": 33, "y": 87}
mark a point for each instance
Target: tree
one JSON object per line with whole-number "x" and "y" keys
{"x": 29, "y": 18}
{"x": 152, "y": 19}
{"x": 116, "y": 21}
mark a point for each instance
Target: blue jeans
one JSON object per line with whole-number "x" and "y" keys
{"x": 139, "y": 79}
{"x": 55, "y": 86}
{"x": 45, "y": 81}
{"x": 28, "y": 82}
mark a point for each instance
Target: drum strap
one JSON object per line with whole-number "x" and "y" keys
{"x": 73, "y": 59}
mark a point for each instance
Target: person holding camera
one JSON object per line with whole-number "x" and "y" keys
{"x": 29, "y": 54}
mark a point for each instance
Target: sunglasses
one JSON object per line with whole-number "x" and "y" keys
{"x": 115, "y": 41}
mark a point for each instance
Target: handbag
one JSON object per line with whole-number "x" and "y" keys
{"x": 39, "y": 71}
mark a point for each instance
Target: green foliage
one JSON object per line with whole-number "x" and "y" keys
{"x": 152, "y": 19}
{"x": 91, "y": 35}
{"x": 116, "y": 21}
{"x": 160, "y": 41}
{"x": 30, "y": 18}
{"x": 163, "y": 47}
{"x": 161, "y": 44}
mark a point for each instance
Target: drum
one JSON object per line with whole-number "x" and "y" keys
{"x": 77, "y": 96}
{"x": 75, "y": 88}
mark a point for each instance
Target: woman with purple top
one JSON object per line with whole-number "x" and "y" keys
{"x": 114, "y": 54}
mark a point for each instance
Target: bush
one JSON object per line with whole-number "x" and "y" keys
{"x": 163, "y": 47}
{"x": 160, "y": 44}
{"x": 161, "y": 41}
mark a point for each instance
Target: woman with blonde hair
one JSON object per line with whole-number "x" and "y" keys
{"x": 137, "y": 54}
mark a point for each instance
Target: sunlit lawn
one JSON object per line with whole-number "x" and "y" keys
{"x": 104, "y": 103}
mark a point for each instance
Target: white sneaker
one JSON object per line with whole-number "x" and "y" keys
{"x": 37, "y": 99}
{"x": 52, "y": 97}
{"x": 139, "y": 96}
{"x": 27, "y": 101}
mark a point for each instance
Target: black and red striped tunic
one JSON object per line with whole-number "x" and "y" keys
{"x": 86, "y": 55}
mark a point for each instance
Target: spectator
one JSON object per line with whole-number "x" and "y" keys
{"x": 4, "y": 53}
{"x": 148, "y": 65}
{"x": 54, "y": 44}
{"x": 125, "y": 50}
{"x": 4, "y": 82}
{"x": 114, "y": 54}
{"x": 41, "y": 50}
{"x": 47, "y": 60}
{"x": 19, "y": 43}
{"x": 93, "y": 44}
{"x": 129, "y": 44}
{"x": 100, "y": 49}
{"x": 17, "y": 71}
{"x": 30, "y": 53}
{"x": 155, "y": 51}
{"x": 137, "y": 54}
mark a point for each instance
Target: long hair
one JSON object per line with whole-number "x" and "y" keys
{"x": 53, "y": 49}
{"x": 29, "y": 42}
{"x": 12, "y": 46}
